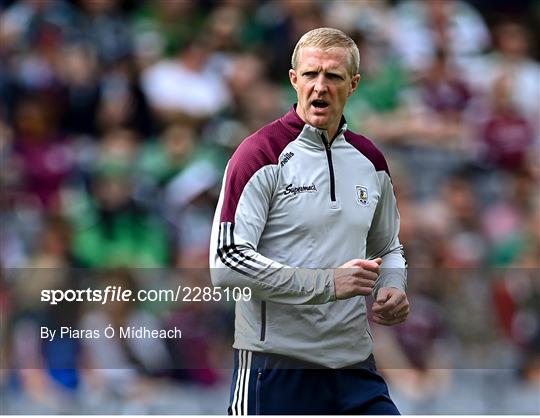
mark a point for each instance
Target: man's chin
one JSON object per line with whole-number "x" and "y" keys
{"x": 319, "y": 121}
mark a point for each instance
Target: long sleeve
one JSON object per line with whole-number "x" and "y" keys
{"x": 239, "y": 221}
{"x": 383, "y": 241}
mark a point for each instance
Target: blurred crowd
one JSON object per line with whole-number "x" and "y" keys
{"x": 117, "y": 118}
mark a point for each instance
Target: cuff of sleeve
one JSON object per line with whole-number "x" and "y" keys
{"x": 328, "y": 293}
{"x": 394, "y": 278}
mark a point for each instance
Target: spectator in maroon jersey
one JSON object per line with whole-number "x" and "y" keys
{"x": 506, "y": 135}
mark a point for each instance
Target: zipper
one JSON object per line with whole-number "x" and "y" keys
{"x": 258, "y": 392}
{"x": 263, "y": 320}
{"x": 330, "y": 168}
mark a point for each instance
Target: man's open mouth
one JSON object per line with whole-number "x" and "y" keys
{"x": 319, "y": 104}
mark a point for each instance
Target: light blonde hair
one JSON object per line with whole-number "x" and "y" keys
{"x": 326, "y": 39}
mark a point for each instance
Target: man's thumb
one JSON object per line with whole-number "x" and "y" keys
{"x": 382, "y": 295}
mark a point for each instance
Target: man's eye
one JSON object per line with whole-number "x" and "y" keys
{"x": 334, "y": 77}
{"x": 310, "y": 74}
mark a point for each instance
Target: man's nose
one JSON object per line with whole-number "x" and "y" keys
{"x": 320, "y": 84}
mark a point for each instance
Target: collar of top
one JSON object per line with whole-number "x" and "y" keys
{"x": 308, "y": 132}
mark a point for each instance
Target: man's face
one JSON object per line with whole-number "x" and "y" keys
{"x": 323, "y": 84}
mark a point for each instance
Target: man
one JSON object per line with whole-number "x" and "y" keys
{"x": 300, "y": 197}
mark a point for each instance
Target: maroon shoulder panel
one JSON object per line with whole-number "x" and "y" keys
{"x": 256, "y": 151}
{"x": 368, "y": 149}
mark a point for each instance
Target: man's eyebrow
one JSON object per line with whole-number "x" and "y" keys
{"x": 313, "y": 70}
{"x": 309, "y": 73}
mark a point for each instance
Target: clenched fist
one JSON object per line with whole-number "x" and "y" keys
{"x": 391, "y": 306}
{"x": 356, "y": 278}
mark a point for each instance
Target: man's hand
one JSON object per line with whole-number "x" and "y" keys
{"x": 356, "y": 278}
{"x": 391, "y": 306}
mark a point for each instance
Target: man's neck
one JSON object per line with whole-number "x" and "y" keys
{"x": 332, "y": 133}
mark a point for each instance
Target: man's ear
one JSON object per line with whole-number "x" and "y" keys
{"x": 354, "y": 83}
{"x": 293, "y": 77}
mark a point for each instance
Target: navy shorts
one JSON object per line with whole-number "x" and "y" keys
{"x": 273, "y": 384}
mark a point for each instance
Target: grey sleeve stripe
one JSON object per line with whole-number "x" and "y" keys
{"x": 236, "y": 250}
{"x": 233, "y": 257}
{"x": 225, "y": 259}
{"x": 229, "y": 251}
